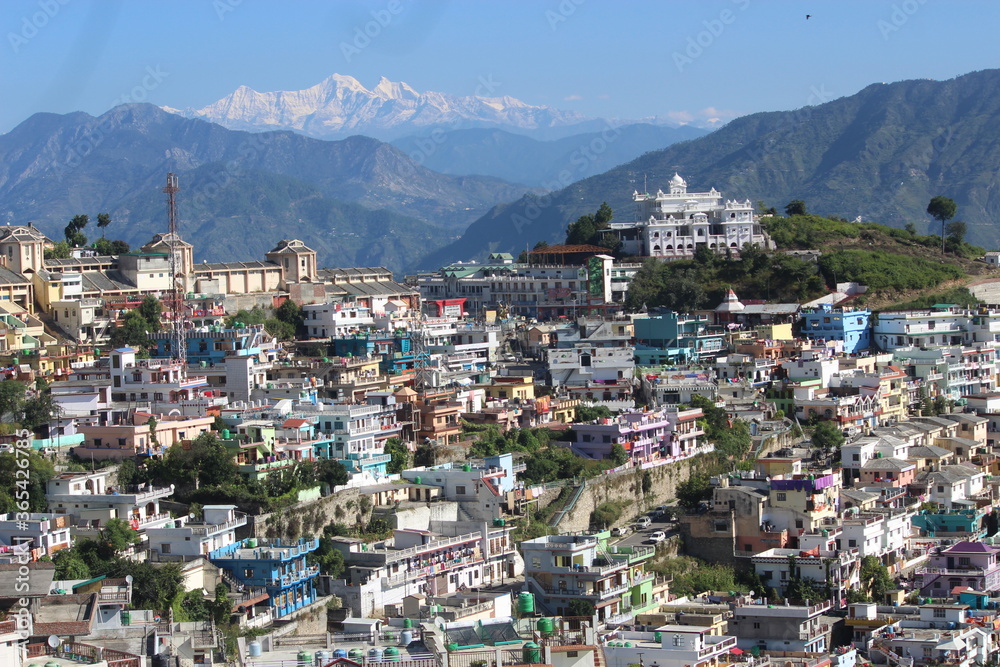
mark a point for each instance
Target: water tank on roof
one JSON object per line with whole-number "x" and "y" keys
{"x": 255, "y": 649}
{"x": 405, "y": 637}
{"x": 531, "y": 654}
{"x": 526, "y": 603}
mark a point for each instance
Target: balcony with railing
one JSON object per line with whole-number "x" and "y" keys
{"x": 212, "y": 529}
{"x": 294, "y": 577}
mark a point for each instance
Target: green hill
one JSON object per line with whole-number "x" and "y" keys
{"x": 880, "y": 154}
{"x": 899, "y": 267}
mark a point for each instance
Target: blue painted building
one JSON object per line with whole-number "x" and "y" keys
{"x": 396, "y": 349}
{"x": 847, "y": 324}
{"x": 279, "y": 566}
{"x": 213, "y": 344}
{"x": 672, "y": 337}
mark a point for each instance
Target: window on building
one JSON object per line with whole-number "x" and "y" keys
{"x": 782, "y": 496}
{"x": 164, "y": 548}
{"x": 460, "y": 490}
{"x": 939, "y": 613}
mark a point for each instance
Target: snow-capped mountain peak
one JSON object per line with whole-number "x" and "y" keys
{"x": 341, "y": 105}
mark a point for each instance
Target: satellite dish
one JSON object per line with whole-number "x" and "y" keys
{"x": 128, "y": 579}
{"x": 53, "y": 641}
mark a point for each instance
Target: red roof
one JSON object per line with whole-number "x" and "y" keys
{"x": 569, "y": 248}
{"x": 295, "y": 423}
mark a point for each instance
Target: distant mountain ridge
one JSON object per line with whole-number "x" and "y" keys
{"x": 522, "y": 159}
{"x": 259, "y": 187}
{"x": 339, "y": 105}
{"x": 880, "y": 154}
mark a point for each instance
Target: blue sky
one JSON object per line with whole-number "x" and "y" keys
{"x": 693, "y": 61}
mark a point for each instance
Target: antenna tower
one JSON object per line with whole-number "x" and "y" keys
{"x": 178, "y": 342}
{"x": 419, "y": 343}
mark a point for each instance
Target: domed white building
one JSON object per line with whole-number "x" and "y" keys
{"x": 671, "y": 225}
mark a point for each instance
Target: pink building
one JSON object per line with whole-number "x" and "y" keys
{"x": 128, "y": 440}
{"x": 888, "y": 472}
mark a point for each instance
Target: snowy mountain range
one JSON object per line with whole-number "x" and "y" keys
{"x": 339, "y": 106}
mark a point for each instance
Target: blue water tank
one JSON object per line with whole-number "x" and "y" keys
{"x": 255, "y": 649}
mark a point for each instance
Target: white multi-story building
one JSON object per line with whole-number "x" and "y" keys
{"x": 324, "y": 320}
{"x": 672, "y": 225}
{"x": 457, "y": 555}
{"x": 186, "y": 539}
{"x": 541, "y": 289}
{"x": 92, "y": 502}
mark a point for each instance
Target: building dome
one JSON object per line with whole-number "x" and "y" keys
{"x": 677, "y": 180}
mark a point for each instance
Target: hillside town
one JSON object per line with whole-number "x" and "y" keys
{"x": 265, "y": 462}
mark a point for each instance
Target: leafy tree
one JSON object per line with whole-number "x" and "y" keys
{"x": 107, "y": 247}
{"x": 103, "y": 220}
{"x": 424, "y": 456}
{"x": 704, "y": 255}
{"x": 133, "y": 332}
{"x": 329, "y": 559}
{"x": 152, "y": 587}
{"x": 38, "y": 410}
{"x": 588, "y": 413}
{"x": 875, "y": 578}
{"x": 618, "y": 454}
{"x": 804, "y": 589}
{"x": 795, "y": 207}
{"x": 692, "y": 491}
{"x": 290, "y": 313}
{"x": 255, "y": 315}
{"x": 827, "y": 436}
{"x": 128, "y": 473}
{"x": 910, "y": 228}
{"x": 151, "y": 310}
{"x": 956, "y": 232}
{"x": 205, "y": 462}
{"x": 278, "y": 329}
{"x": 59, "y": 250}
{"x": 589, "y": 229}
{"x": 332, "y": 472}
{"x": 69, "y": 565}
{"x": 11, "y": 399}
{"x": 74, "y": 231}
{"x": 604, "y": 515}
{"x": 645, "y": 287}
{"x": 118, "y": 535}
{"x": 400, "y": 454}
{"x": 942, "y": 209}
{"x": 40, "y": 470}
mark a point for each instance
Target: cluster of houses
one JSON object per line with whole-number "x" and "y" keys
{"x": 505, "y": 344}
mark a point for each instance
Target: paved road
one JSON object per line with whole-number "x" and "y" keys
{"x": 639, "y": 537}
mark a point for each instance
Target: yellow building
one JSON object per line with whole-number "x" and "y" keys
{"x": 507, "y": 388}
